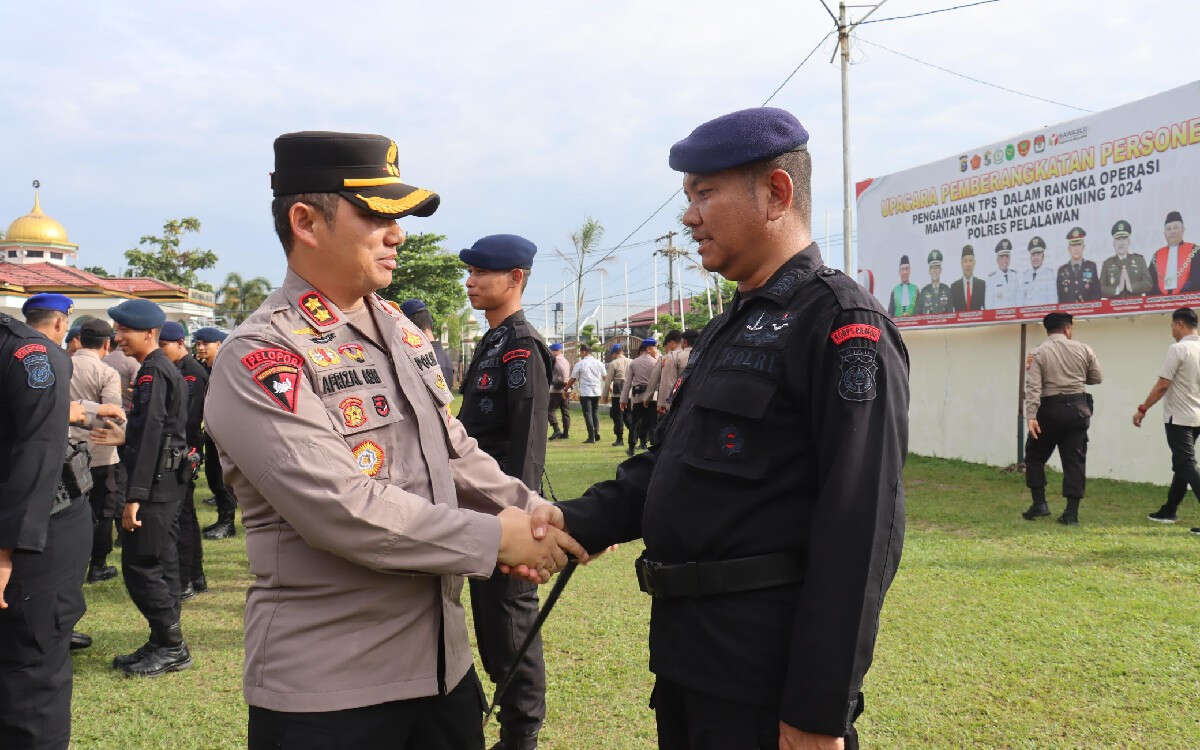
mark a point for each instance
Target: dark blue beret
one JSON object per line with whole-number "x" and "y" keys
{"x": 738, "y": 138}
{"x": 411, "y": 306}
{"x": 73, "y": 333}
{"x": 500, "y": 252}
{"x": 208, "y": 335}
{"x": 47, "y": 301}
{"x": 171, "y": 331}
{"x": 649, "y": 342}
{"x": 615, "y": 348}
{"x": 556, "y": 347}
{"x": 138, "y": 314}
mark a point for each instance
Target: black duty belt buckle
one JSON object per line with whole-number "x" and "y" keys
{"x": 645, "y": 574}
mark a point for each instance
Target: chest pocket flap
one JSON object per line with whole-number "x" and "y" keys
{"x": 727, "y": 434}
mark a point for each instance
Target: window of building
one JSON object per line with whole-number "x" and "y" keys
{"x": 12, "y": 253}
{"x": 56, "y": 256}
{"x": 35, "y": 254}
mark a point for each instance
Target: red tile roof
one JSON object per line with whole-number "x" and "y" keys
{"x": 139, "y": 284}
{"x": 36, "y": 275}
{"x": 646, "y": 317}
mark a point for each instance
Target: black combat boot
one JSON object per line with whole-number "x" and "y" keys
{"x": 200, "y": 585}
{"x": 556, "y": 435}
{"x": 124, "y": 660}
{"x": 168, "y": 653}
{"x": 101, "y": 572}
{"x": 80, "y": 640}
{"x": 224, "y": 528}
{"x": 187, "y": 592}
{"x": 1070, "y": 516}
{"x": 1039, "y": 507}
{"x": 618, "y": 441}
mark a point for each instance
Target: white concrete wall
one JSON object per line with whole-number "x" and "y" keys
{"x": 965, "y": 399}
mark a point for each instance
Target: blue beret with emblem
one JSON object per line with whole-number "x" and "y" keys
{"x": 556, "y": 347}
{"x": 171, "y": 331}
{"x": 47, "y": 301}
{"x": 209, "y": 335}
{"x": 500, "y": 252}
{"x": 412, "y": 306}
{"x": 138, "y": 314}
{"x": 738, "y": 138}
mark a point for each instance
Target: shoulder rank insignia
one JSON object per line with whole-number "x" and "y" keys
{"x": 316, "y": 309}
{"x": 412, "y": 339}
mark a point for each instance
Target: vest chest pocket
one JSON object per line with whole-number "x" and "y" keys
{"x": 369, "y": 421}
{"x": 727, "y": 434}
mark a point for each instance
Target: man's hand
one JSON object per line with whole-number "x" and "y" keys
{"x": 112, "y": 411}
{"x": 110, "y": 434}
{"x": 5, "y": 573}
{"x": 1138, "y": 416}
{"x": 1035, "y": 429}
{"x": 624, "y": 404}
{"x": 541, "y": 558}
{"x": 791, "y": 738}
{"x": 662, "y": 410}
{"x": 129, "y": 519}
{"x": 78, "y": 414}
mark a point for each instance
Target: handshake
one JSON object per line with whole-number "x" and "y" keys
{"x": 535, "y": 546}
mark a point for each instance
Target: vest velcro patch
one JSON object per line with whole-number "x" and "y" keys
{"x": 855, "y": 331}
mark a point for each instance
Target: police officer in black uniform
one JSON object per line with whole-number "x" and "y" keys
{"x": 195, "y": 380}
{"x": 506, "y": 394}
{"x": 45, "y": 529}
{"x": 155, "y": 449}
{"x": 209, "y": 339}
{"x": 768, "y": 547}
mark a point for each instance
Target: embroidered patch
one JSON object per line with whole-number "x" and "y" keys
{"x": 145, "y": 379}
{"x": 340, "y": 381}
{"x": 28, "y": 349}
{"x": 309, "y": 331}
{"x": 515, "y": 354}
{"x": 857, "y": 380}
{"x": 382, "y": 408}
{"x": 260, "y": 357}
{"x": 486, "y": 382}
{"x": 38, "y": 372}
{"x": 1028, "y": 360}
{"x": 412, "y": 339}
{"x": 316, "y": 309}
{"x": 785, "y": 283}
{"x": 323, "y": 357}
{"x": 280, "y": 382}
{"x": 353, "y": 351}
{"x": 369, "y": 457}
{"x": 767, "y": 328}
{"x": 425, "y": 361}
{"x": 855, "y": 331}
{"x": 352, "y": 412}
{"x": 190, "y": 378}
{"x": 517, "y": 374}
{"x": 440, "y": 382}
{"x": 324, "y": 338}
{"x": 501, "y": 336}
{"x": 731, "y": 441}
{"x": 486, "y": 406}
{"x": 391, "y": 306}
{"x": 754, "y": 360}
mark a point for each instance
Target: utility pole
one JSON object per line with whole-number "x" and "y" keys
{"x": 669, "y": 251}
{"x": 844, "y": 44}
{"x": 626, "y": 298}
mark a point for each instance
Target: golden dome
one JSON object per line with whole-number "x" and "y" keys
{"x": 36, "y": 227}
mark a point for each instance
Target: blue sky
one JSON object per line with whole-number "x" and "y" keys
{"x": 526, "y": 117}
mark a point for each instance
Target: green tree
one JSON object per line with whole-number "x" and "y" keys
{"x": 100, "y": 271}
{"x": 162, "y": 259}
{"x": 238, "y": 297}
{"x": 666, "y": 322}
{"x": 426, "y": 271}
{"x": 587, "y": 335}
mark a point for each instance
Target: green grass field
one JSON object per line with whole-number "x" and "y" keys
{"x": 998, "y": 633}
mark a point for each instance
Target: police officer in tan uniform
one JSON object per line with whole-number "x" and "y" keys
{"x": 364, "y": 501}
{"x": 614, "y": 383}
{"x": 1058, "y": 412}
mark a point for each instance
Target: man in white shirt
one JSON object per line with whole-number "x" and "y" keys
{"x": 1038, "y": 283}
{"x": 1179, "y": 381}
{"x": 1003, "y": 288}
{"x": 589, "y": 374}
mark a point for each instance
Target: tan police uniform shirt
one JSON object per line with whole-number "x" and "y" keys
{"x": 670, "y": 368}
{"x": 615, "y": 372}
{"x": 93, "y": 380}
{"x": 640, "y": 372}
{"x": 1058, "y": 366}
{"x": 127, "y": 368}
{"x": 364, "y": 503}
{"x": 1181, "y": 403}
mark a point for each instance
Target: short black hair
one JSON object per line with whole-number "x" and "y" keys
{"x": 690, "y": 336}
{"x": 798, "y": 165}
{"x": 91, "y": 341}
{"x": 1057, "y": 321}
{"x": 326, "y": 203}
{"x": 1186, "y": 315}
{"x": 674, "y": 335}
{"x": 39, "y": 316}
{"x": 584, "y": 348}
{"x": 422, "y": 319}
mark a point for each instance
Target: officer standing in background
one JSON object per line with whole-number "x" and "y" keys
{"x": 127, "y": 367}
{"x": 93, "y": 380}
{"x": 904, "y": 296}
{"x": 1038, "y": 283}
{"x": 614, "y": 383}
{"x": 1124, "y": 274}
{"x": 45, "y": 528}
{"x": 195, "y": 380}
{"x": 660, "y": 382}
{"x": 505, "y": 397}
{"x": 560, "y": 397}
{"x": 1058, "y": 412}
{"x": 208, "y": 342}
{"x": 768, "y": 547}
{"x": 419, "y": 314}
{"x": 637, "y": 398}
{"x": 1078, "y": 280}
{"x": 935, "y": 296}
{"x": 155, "y": 450}
{"x": 1004, "y": 288}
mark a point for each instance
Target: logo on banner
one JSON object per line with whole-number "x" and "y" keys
{"x": 987, "y": 158}
{"x": 1009, "y": 152}
{"x": 1023, "y": 147}
{"x": 998, "y": 155}
{"x": 1039, "y": 144}
{"x": 963, "y": 162}
{"x": 975, "y": 161}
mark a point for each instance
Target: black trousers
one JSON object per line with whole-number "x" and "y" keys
{"x": 591, "y": 414}
{"x": 645, "y": 416}
{"x": 191, "y": 553}
{"x": 226, "y": 501}
{"x": 617, "y": 414}
{"x": 559, "y": 403}
{"x": 439, "y": 722}
{"x": 106, "y": 498}
{"x": 45, "y": 600}
{"x": 150, "y": 564}
{"x": 1182, "y": 440}
{"x": 1064, "y": 421}
{"x": 504, "y": 609}
{"x": 691, "y": 720}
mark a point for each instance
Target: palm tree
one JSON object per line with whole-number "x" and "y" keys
{"x": 239, "y": 297}
{"x": 585, "y": 241}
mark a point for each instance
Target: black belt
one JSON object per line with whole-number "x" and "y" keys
{"x": 1064, "y": 398}
{"x": 696, "y": 579}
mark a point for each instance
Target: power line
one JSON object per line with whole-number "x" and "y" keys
{"x": 796, "y": 69}
{"x": 925, "y": 13}
{"x": 971, "y": 78}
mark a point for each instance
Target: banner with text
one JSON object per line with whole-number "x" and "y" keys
{"x": 1088, "y": 217}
